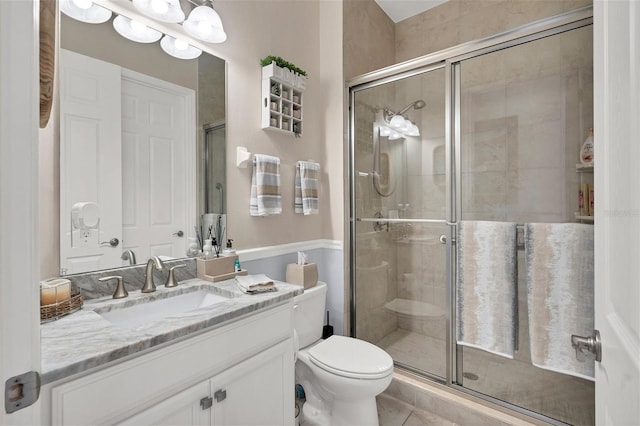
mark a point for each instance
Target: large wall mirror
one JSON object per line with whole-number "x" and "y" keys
{"x": 142, "y": 147}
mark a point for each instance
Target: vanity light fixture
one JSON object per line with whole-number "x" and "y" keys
{"x": 85, "y": 11}
{"x": 135, "y": 31}
{"x": 396, "y": 126}
{"x": 205, "y": 24}
{"x": 178, "y": 48}
{"x": 161, "y": 10}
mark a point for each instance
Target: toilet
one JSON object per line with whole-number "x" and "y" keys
{"x": 341, "y": 376}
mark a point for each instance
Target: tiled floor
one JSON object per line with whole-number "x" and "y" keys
{"x": 559, "y": 396}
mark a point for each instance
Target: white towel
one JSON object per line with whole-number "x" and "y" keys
{"x": 253, "y": 284}
{"x": 306, "y": 187}
{"x": 487, "y": 306}
{"x": 559, "y": 260}
{"x": 265, "y": 186}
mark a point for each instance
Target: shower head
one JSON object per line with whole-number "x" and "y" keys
{"x": 419, "y": 104}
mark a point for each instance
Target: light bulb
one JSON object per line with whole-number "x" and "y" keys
{"x": 159, "y": 6}
{"x": 83, "y": 4}
{"x": 396, "y": 121}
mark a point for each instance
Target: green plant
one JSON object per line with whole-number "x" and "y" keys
{"x": 282, "y": 64}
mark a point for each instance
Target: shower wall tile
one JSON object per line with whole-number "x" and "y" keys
{"x": 487, "y": 18}
{"x": 539, "y": 145}
{"x": 368, "y": 37}
{"x": 522, "y": 12}
{"x": 568, "y": 5}
{"x": 536, "y": 101}
{"x": 537, "y": 192}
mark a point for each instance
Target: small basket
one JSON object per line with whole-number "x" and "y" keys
{"x": 56, "y": 310}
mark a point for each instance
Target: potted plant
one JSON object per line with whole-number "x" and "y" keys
{"x": 277, "y": 67}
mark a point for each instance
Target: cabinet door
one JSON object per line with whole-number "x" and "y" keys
{"x": 259, "y": 391}
{"x": 183, "y": 408}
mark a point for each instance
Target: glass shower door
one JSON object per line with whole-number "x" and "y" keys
{"x": 399, "y": 193}
{"x": 524, "y": 112}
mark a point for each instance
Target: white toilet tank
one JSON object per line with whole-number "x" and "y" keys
{"x": 308, "y": 314}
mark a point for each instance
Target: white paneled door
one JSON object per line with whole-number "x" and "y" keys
{"x": 156, "y": 124}
{"x": 617, "y": 150}
{"x": 90, "y": 170}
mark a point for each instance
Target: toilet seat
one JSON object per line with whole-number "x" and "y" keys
{"x": 352, "y": 358}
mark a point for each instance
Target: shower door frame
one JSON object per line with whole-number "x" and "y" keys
{"x": 450, "y": 59}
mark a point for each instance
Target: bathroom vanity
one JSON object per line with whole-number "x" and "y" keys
{"x": 228, "y": 362}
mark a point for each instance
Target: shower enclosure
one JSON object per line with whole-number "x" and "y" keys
{"x": 491, "y": 131}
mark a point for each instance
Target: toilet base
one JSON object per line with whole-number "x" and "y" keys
{"x": 348, "y": 413}
{"x": 355, "y": 413}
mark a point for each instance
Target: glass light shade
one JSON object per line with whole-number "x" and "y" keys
{"x": 205, "y": 24}
{"x": 396, "y": 122}
{"x": 135, "y": 31}
{"x": 394, "y": 136}
{"x": 413, "y": 130}
{"x": 85, "y": 11}
{"x": 162, "y": 10}
{"x": 385, "y": 131}
{"x": 178, "y": 48}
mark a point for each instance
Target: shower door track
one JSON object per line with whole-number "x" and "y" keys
{"x": 449, "y": 59}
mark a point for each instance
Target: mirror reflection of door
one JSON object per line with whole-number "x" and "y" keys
{"x": 136, "y": 175}
{"x": 155, "y": 132}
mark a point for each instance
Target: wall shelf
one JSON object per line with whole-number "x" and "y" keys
{"x": 282, "y": 100}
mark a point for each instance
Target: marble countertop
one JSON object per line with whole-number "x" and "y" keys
{"x": 84, "y": 339}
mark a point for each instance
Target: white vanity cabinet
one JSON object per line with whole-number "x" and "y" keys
{"x": 238, "y": 374}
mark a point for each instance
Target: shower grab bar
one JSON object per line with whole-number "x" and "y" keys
{"x": 387, "y": 220}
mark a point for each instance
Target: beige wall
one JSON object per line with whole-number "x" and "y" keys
{"x": 290, "y": 29}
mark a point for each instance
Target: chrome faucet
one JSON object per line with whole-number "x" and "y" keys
{"x": 130, "y": 256}
{"x": 149, "y": 286}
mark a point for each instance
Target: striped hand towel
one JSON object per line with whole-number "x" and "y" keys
{"x": 306, "y": 191}
{"x": 265, "y": 186}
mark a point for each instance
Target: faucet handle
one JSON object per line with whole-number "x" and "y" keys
{"x": 171, "y": 281}
{"x": 120, "y": 292}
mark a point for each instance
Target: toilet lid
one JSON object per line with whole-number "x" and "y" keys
{"x": 349, "y": 357}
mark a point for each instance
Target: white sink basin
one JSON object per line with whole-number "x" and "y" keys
{"x": 162, "y": 308}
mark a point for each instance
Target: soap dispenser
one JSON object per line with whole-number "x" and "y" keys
{"x": 586, "y": 152}
{"x": 229, "y": 250}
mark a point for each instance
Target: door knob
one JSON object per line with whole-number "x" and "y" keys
{"x": 591, "y": 344}
{"x": 179, "y": 233}
{"x": 112, "y": 242}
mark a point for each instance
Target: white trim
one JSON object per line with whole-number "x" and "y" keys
{"x": 279, "y": 250}
{"x": 19, "y": 251}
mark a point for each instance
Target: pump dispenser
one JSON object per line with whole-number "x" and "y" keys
{"x": 586, "y": 152}
{"x": 229, "y": 250}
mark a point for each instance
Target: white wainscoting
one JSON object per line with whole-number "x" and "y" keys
{"x": 328, "y": 254}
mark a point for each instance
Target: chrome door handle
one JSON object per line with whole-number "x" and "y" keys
{"x": 112, "y": 242}
{"x": 591, "y": 344}
{"x": 179, "y": 233}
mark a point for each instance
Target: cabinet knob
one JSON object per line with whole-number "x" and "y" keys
{"x": 220, "y": 395}
{"x": 206, "y": 402}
